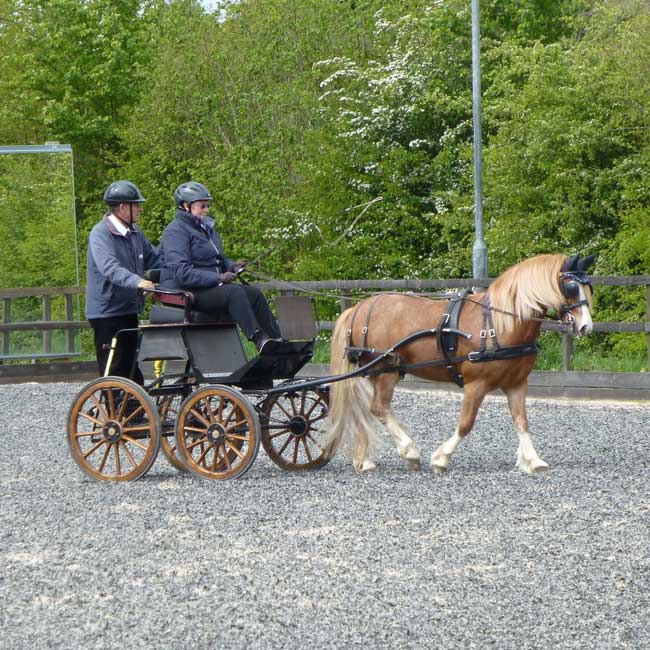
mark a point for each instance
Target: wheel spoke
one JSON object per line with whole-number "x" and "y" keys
{"x": 234, "y": 448}
{"x": 128, "y": 453}
{"x": 280, "y": 433}
{"x": 296, "y": 445}
{"x": 85, "y": 434}
{"x": 100, "y": 406}
{"x": 108, "y": 449}
{"x": 191, "y": 446}
{"x": 90, "y": 418}
{"x": 320, "y": 449}
{"x": 135, "y": 442}
{"x": 111, "y": 403}
{"x": 118, "y": 464}
{"x": 312, "y": 408}
{"x": 304, "y": 442}
{"x": 237, "y": 424}
{"x": 199, "y": 416}
{"x": 226, "y": 457}
{"x": 231, "y": 413}
{"x": 201, "y": 459}
{"x": 130, "y": 416}
{"x": 94, "y": 448}
{"x": 285, "y": 445}
{"x": 280, "y": 405}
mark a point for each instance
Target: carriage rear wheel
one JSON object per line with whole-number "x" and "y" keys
{"x": 217, "y": 433}
{"x": 293, "y": 429}
{"x": 114, "y": 430}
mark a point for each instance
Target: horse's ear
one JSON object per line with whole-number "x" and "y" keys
{"x": 570, "y": 263}
{"x": 585, "y": 263}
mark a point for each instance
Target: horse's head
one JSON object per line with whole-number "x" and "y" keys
{"x": 577, "y": 291}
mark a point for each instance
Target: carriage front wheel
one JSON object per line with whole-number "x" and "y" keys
{"x": 114, "y": 430}
{"x": 217, "y": 433}
{"x": 293, "y": 428}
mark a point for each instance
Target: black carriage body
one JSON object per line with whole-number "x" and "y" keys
{"x": 214, "y": 354}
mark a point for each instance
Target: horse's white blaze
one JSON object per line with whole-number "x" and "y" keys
{"x": 585, "y": 323}
{"x": 527, "y": 458}
{"x": 440, "y": 457}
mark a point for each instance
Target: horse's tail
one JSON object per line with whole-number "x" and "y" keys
{"x": 350, "y": 419}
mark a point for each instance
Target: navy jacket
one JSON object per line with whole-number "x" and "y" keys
{"x": 191, "y": 255}
{"x": 115, "y": 266}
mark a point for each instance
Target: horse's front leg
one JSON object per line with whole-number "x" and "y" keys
{"x": 381, "y": 408}
{"x": 472, "y": 399}
{"x": 527, "y": 458}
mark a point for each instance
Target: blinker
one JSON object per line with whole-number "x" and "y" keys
{"x": 571, "y": 289}
{"x": 570, "y": 284}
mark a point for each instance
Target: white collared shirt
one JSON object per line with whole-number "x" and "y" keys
{"x": 119, "y": 224}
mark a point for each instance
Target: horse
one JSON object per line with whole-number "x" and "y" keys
{"x": 483, "y": 342}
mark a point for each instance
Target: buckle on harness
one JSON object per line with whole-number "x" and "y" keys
{"x": 474, "y": 355}
{"x": 482, "y": 334}
{"x": 492, "y": 333}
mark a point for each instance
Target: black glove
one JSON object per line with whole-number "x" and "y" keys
{"x": 227, "y": 277}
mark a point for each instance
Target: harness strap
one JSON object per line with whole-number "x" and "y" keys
{"x": 478, "y": 356}
{"x": 355, "y": 353}
{"x": 448, "y": 341}
{"x": 488, "y": 329}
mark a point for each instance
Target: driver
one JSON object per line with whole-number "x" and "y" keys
{"x": 192, "y": 258}
{"x": 118, "y": 255}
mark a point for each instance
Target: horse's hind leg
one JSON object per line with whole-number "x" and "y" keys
{"x": 380, "y": 407}
{"x": 472, "y": 399}
{"x": 527, "y": 458}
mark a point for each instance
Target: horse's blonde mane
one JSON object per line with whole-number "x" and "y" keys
{"x": 527, "y": 290}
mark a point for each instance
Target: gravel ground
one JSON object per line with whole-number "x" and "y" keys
{"x": 482, "y": 557}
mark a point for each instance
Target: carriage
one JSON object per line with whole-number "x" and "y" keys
{"x": 211, "y": 416}
{"x": 209, "y": 406}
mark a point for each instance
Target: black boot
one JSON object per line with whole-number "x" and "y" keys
{"x": 264, "y": 343}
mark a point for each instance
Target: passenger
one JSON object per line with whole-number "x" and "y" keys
{"x": 118, "y": 255}
{"x": 192, "y": 258}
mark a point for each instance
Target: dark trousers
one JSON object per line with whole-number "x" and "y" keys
{"x": 127, "y": 343}
{"x": 245, "y": 304}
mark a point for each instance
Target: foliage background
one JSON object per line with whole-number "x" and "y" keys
{"x": 293, "y": 111}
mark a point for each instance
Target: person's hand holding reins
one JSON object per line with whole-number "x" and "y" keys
{"x": 227, "y": 277}
{"x": 147, "y": 285}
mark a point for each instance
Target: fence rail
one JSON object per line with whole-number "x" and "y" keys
{"x": 345, "y": 291}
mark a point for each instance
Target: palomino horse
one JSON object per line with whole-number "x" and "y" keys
{"x": 492, "y": 344}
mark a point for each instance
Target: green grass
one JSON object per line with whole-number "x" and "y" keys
{"x": 586, "y": 359}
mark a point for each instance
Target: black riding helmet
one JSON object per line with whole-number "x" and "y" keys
{"x": 190, "y": 192}
{"x": 123, "y": 192}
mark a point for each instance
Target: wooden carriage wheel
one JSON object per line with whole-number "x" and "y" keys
{"x": 217, "y": 433}
{"x": 293, "y": 428}
{"x": 113, "y": 430}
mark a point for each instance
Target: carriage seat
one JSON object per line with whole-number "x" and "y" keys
{"x": 175, "y": 306}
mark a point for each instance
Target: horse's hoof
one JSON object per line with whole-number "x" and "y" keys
{"x": 539, "y": 468}
{"x": 439, "y": 462}
{"x": 365, "y": 466}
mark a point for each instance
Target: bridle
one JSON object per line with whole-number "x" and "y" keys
{"x": 570, "y": 282}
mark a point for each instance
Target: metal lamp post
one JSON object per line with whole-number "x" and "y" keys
{"x": 479, "y": 251}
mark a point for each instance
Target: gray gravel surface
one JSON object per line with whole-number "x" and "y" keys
{"x": 485, "y": 556}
